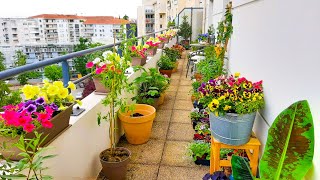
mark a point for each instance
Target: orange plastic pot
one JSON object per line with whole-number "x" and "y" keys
{"x": 138, "y": 129}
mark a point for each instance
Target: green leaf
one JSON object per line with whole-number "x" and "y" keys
{"x": 290, "y": 145}
{"x": 16, "y": 176}
{"x": 241, "y": 168}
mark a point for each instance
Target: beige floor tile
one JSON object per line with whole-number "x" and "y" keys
{"x": 183, "y": 105}
{"x": 185, "y": 82}
{"x": 181, "y": 116}
{"x": 183, "y": 96}
{"x": 172, "y": 88}
{"x": 168, "y": 104}
{"x": 170, "y": 95}
{"x": 148, "y": 153}
{"x": 174, "y": 82}
{"x": 185, "y": 88}
{"x": 159, "y": 130}
{"x": 180, "y": 132}
{"x": 141, "y": 171}
{"x": 163, "y": 115}
{"x": 182, "y": 173}
{"x": 176, "y": 76}
{"x": 175, "y": 154}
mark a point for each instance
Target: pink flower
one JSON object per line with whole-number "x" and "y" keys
{"x": 47, "y": 124}
{"x": 43, "y": 116}
{"x": 49, "y": 110}
{"x": 99, "y": 70}
{"x": 133, "y": 48}
{"x": 11, "y": 118}
{"x": 89, "y": 65}
{"x": 28, "y": 128}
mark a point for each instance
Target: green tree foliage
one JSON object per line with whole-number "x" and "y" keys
{"x": 21, "y": 60}
{"x": 53, "y": 72}
{"x": 125, "y": 17}
{"x": 185, "y": 28}
{"x": 2, "y": 59}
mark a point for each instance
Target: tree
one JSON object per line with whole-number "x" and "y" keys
{"x": 125, "y": 17}
{"x": 185, "y": 28}
{"x": 53, "y": 72}
{"x": 21, "y": 60}
{"x": 2, "y": 59}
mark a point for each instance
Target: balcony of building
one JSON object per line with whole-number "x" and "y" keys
{"x": 149, "y": 20}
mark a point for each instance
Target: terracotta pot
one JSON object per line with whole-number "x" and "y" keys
{"x": 166, "y": 72}
{"x": 161, "y": 98}
{"x": 198, "y": 77}
{"x": 161, "y": 45}
{"x": 175, "y": 69}
{"x": 138, "y": 129}
{"x": 115, "y": 170}
{"x": 186, "y": 42}
{"x": 60, "y": 122}
{"x": 100, "y": 88}
{"x": 138, "y": 61}
{"x": 152, "y": 52}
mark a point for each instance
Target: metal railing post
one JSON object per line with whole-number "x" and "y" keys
{"x": 65, "y": 72}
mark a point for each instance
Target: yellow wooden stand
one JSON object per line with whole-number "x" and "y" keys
{"x": 216, "y": 163}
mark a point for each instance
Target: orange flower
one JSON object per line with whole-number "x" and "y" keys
{"x": 112, "y": 68}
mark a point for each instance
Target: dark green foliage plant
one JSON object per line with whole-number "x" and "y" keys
{"x": 185, "y": 28}
{"x": 53, "y": 72}
{"x": 165, "y": 63}
{"x": 173, "y": 54}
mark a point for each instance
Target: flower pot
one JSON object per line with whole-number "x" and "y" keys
{"x": 175, "y": 69}
{"x": 186, "y": 42}
{"x": 166, "y": 72}
{"x": 198, "y": 77}
{"x": 152, "y": 51}
{"x": 115, "y": 170}
{"x": 161, "y": 45}
{"x": 232, "y": 129}
{"x": 202, "y": 162}
{"x": 60, "y": 123}
{"x": 138, "y": 61}
{"x": 161, "y": 98}
{"x": 100, "y": 88}
{"x": 138, "y": 129}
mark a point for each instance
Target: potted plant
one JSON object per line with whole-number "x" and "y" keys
{"x": 138, "y": 55}
{"x": 162, "y": 39}
{"x": 151, "y": 87}
{"x": 153, "y": 44}
{"x": 114, "y": 159}
{"x": 165, "y": 65}
{"x": 97, "y": 66}
{"x": 200, "y": 152}
{"x": 232, "y": 102}
{"x": 203, "y": 38}
{"x": 174, "y": 55}
{"x": 180, "y": 49}
{"x": 203, "y": 129}
{"x": 185, "y": 31}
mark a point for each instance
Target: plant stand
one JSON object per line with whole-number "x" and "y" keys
{"x": 216, "y": 163}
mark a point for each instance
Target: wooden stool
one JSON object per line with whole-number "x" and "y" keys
{"x": 216, "y": 163}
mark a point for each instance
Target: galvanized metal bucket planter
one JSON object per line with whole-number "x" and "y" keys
{"x": 232, "y": 129}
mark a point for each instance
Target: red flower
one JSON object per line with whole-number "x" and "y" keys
{"x": 28, "y": 128}
{"x": 47, "y": 124}
{"x": 43, "y": 116}
{"x": 133, "y": 48}
{"x": 89, "y": 65}
{"x": 99, "y": 70}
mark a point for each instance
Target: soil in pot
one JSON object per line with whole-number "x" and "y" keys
{"x": 137, "y": 115}
{"x": 114, "y": 166}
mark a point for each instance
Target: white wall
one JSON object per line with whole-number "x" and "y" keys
{"x": 278, "y": 42}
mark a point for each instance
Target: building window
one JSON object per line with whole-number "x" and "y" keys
{"x": 160, "y": 17}
{"x": 160, "y": 25}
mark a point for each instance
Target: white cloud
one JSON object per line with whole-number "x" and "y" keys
{"x": 25, "y": 8}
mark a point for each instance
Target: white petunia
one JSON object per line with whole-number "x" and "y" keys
{"x": 102, "y": 64}
{"x": 106, "y": 53}
{"x": 96, "y": 60}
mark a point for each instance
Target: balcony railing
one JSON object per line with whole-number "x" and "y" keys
{"x": 149, "y": 20}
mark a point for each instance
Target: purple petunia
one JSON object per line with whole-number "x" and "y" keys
{"x": 26, "y": 104}
{"x": 31, "y": 108}
{"x": 40, "y": 101}
{"x": 54, "y": 107}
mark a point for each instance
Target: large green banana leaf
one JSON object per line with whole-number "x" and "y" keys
{"x": 290, "y": 145}
{"x": 241, "y": 168}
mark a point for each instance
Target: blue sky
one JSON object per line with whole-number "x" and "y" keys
{"x": 24, "y": 8}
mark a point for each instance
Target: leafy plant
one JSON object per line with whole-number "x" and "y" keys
{"x": 211, "y": 30}
{"x": 21, "y": 60}
{"x": 185, "y": 28}
{"x": 172, "y": 53}
{"x": 170, "y": 24}
{"x": 196, "y": 116}
{"x": 53, "y": 72}
{"x": 289, "y": 149}
{"x": 241, "y": 168}
{"x": 150, "y": 85}
{"x": 165, "y": 63}
{"x": 199, "y": 151}
{"x": 32, "y": 161}
{"x": 203, "y": 129}
{"x": 195, "y": 86}
{"x": 7, "y": 96}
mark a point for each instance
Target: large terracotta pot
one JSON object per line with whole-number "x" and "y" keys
{"x": 152, "y": 51}
{"x": 100, "y": 88}
{"x": 166, "y": 72}
{"x": 138, "y": 129}
{"x": 175, "y": 69}
{"x": 138, "y": 61}
{"x": 60, "y": 123}
{"x": 115, "y": 170}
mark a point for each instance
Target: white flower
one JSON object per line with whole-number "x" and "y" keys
{"x": 106, "y": 53}
{"x": 96, "y": 60}
{"x": 101, "y": 64}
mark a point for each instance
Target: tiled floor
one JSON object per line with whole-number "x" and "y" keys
{"x": 164, "y": 156}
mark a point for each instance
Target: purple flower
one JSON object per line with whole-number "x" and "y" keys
{"x": 54, "y": 107}
{"x": 31, "y": 108}
{"x": 26, "y": 104}
{"x": 40, "y": 101}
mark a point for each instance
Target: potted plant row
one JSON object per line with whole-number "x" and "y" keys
{"x": 138, "y": 55}
{"x": 200, "y": 152}
{"x": 165, "y": 65}
{"x": 152, "y": 44}
{"x": 173, "y": 55}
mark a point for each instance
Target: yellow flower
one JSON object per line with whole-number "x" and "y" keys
{"x": 62, "y": 107}
{"x": 79, "y": 102}
{"x": 28, "y": 91}
{"x": 226, "y": 107}
{"x": 71, "y": 85}
{"x": 117, "y": 58}
{"x": 247, "y": 85}
{"x": 222, "y": 98}
{"x": 63, "y": 93}
{"x": 247, "y": 94}
{"x": 52, "y": 90}
{"x": 146, "y": 46}
{"x": 70, "y": 98}
{"x": 58, "y": 84}
{"x": 237, "y": 74}
{"x": 254, "y": 99}
{"x": 213, "y": 105}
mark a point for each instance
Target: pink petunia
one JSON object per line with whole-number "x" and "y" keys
{"x": 49, "y": 110}
{"x": 89, "y": 65}
{"x": 47, "y": 124}
{"x": 43, "y": 116}
{"x": 99, "y": 70}
{"x": 28, "y": 128}
{"x": 133, "y": 48}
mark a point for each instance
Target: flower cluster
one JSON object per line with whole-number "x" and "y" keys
{"x": 51, "y": 93}
{"x": 105, "y": 63}
{"x": 171, "y": 33}
{"x": 178, "y": 48}
{"x": 28, "y": 116}
{"x": 162, "y": 37}
{"x": 203, "y": 37}
{"x": 139, "y": 51}
{"x": 232, "y": 94}
{"x": 153, "y": 42}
